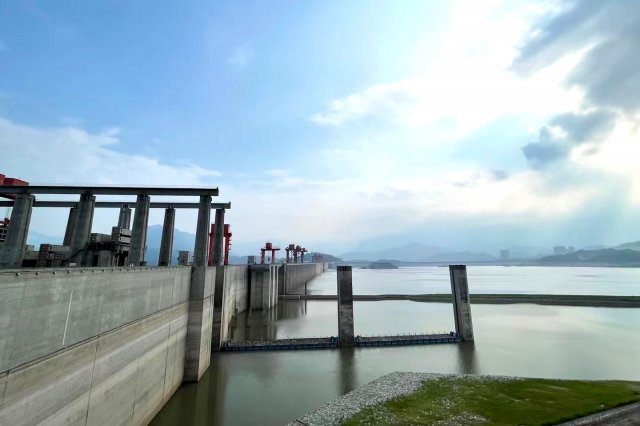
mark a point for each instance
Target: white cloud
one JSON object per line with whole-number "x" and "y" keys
{"x": 469, "y": 86}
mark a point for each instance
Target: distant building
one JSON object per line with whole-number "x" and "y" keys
{"x": 505, "y": 255}
{"x": 53, "y": 255}
{"x": 183, "y": 257}
{"x": 571, "y": 249}
{"x": 558, "y": 250}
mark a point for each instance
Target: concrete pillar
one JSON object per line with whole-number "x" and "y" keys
{"x": 345, "y": 306}
{"x": 124, "y": 220}
{"x": 199, "y": 325}
{"x": 218, "y": 238}
{"x": 71, "y": 226}
{"x": 201, "y": 248}
{"x": 82, "y": 230}
{"x": 218, "y": 300}
{"x": 13, "y": 249}
{"x": 461, "y": 302}
{"x": 139, "y": 231}
{"x": 263, "y": 286}
{"x": 166, "y": 244}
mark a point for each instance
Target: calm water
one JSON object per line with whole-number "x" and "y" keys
{"x": 525, "y": 340}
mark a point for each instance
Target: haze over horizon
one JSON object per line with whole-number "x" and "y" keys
{"x": 338, "y": 125}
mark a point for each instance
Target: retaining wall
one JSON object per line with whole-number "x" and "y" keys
{"x": 233, "y": 300}
{"x": 297, "y": 275}
{"x": 263, "y": 286}
{"x": 91, "y": 346}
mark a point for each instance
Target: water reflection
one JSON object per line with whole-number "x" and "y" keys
{"x": 347, "y": 369}
{"x": 264, "y": 324}
{"x": 467, "y": 363}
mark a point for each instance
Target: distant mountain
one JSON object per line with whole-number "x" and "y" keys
{"x": 35, "y": 239}
{"x": 327, "y": 257}
{"x": 528, "y": 252}
{"x": 181, "y": 241}
{"x": 602, "y": 256}
{"x": 412, "y": 252}
{"x": 630, "y": 246}
{"x": 463, "y": 256}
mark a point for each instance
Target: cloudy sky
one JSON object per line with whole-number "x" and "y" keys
{"x": 338, "y": 125}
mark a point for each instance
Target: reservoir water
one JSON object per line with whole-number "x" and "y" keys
{"x": 272, "y": 388}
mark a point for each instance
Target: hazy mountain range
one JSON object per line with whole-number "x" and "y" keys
{"x": 411, "y": 252}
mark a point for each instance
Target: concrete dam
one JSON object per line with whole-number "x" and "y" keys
{"x": 111, "y": 345}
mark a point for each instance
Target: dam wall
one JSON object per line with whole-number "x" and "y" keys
{"x": 231, "y": 298}
{"x": 111, "y": 345}
{"x": 263, "y": 286}
{"x": 91, "y": 346}
{"x": 295, "y": 276}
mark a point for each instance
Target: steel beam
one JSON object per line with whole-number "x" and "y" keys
{"x": 107, "y": 190}
{"x": 119, "y": 204}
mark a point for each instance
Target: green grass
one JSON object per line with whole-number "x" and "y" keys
{"x": 474, "y": 400}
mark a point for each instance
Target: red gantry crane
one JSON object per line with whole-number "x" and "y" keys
{"x": 227, "y": 243}
{"x": 268, "y": 247}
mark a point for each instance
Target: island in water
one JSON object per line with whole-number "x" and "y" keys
{"x": 380, "y": 265}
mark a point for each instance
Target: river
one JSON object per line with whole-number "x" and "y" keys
{"x": 273, "y": 388}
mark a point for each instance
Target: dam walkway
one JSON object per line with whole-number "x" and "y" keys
{"x": 334, "y": 342}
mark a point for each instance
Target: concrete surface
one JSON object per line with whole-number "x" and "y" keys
{"x": 461, "y": 302}
{"x": 13, "y": 249}
{"x": 201, "y": 303}
{"x": 345, "y": 306}
{"x": 263, "y": 286}
{"x": 91, "y": 346}
{"x": 138, "y": 247}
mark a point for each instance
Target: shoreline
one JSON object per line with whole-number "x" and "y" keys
{"x": 597, "y": 301}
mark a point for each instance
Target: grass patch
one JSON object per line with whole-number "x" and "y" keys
{"x": 472, "y": 400}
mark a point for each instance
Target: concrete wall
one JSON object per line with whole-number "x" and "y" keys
{"x": 231, "y": 297}
{"x": 297, "y": 275}
{"x": 200, "y": 324}
{"x": 91, "y": 346}
{"x": 263, "y": 287}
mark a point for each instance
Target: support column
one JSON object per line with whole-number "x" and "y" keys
{"x": 124, "y": 220}
{"x": 461, "y": 302}
{"x": 345, "y": 306}
{"x": 218, "y": 238}
{"x": 82, "y": 230}
{"x": 166, "y": 244}
{"x": 13, "y": 249}
{"x": 199, "y": 326}
{"x": 71, "y": 226}
{"x": 139, "y": 231}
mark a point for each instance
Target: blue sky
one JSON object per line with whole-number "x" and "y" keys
{"x": 337, "y": 124}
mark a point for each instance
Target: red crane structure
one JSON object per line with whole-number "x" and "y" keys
{"x": 296, "y": 250}
{"x": 290, "y": 248}
{"x": 268, "y": 247}
{"x": 227, "y": 243}
{"x": 302, "y": 251}
{"x": 4, "y": 224}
